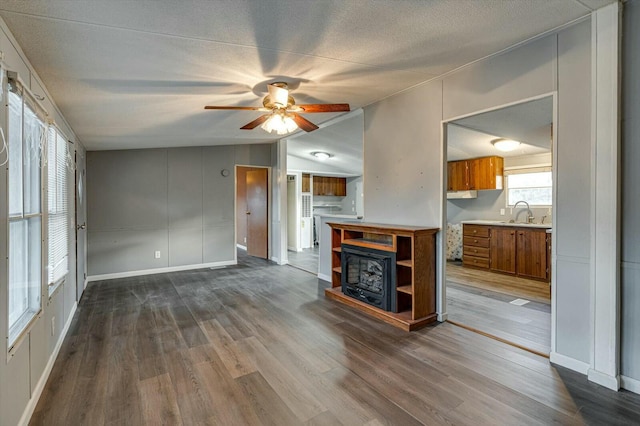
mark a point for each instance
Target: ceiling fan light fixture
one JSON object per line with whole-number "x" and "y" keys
{"x": 505, "y": 145}
{"x": 321, "y": 155}
{"x": 279, "y": 123}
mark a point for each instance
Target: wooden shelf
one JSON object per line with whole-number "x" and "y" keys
{"x": 405, "y": 289}
{"x": 401, "y": 319}
{"x": 415, "y": 272}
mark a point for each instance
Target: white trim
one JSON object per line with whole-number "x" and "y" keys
{"x": 605, "y": 195}
{"x": 442, "y": 317}
{"x": 632, "y": 385}
{"x": 159, "y": 270}
{"x": 37, "y": 391}
{"x": 568, "y": 362}
{"x": 324, "y": 277}
{"x": 241, "y": 247}
{"x": 610, "y": 382}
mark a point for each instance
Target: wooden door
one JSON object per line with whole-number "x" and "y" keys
{"x": 257, "y": 216}
{"x": 81, "y": 223}
{"x": 457, "y": 176}
{"x": 503, "y": 249}
{"x": 532, "y": 253}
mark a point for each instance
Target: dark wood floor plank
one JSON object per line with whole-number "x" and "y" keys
{"x": 259, "y": 344}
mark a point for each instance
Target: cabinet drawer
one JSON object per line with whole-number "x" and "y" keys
{"x": 476, "y": 251}
{"x": 478, "y": 262}
{"x": 475, "y": 241}
{"x": 475, "y": 230}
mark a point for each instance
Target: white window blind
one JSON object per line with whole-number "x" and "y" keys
{"x": 58, "y": 208}
{"x": 26, "y": 135}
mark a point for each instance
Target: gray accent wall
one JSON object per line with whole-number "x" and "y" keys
{"x": 175, "y": 201}
{"x": 630, "y": 273}
{"x": 404, "y": 167}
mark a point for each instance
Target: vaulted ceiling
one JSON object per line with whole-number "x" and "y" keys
{"x": 137, "y": 74}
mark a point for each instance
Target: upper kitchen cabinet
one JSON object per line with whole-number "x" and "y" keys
{"x": 306, "y": 182}
{"x": 475, "y": 174}
{"x": 328, "y": 185}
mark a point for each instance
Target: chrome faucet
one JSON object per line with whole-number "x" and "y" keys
{"x": 530, "y": 218}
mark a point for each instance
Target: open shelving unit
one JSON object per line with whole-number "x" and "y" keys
{"x": 415, "y": 269}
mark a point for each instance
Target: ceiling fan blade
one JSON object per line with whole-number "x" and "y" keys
{"x": 303, "y": 123}
{"x": 324, "y": 108}
{"x": 240, "y": 108}
{"x": 255, "y": 123}
{"x": 278, "y": 95}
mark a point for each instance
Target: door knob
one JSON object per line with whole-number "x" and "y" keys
{"x": 248, "y": 212}
{"x": 83, "y": 226}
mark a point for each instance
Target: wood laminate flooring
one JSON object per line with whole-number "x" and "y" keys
{"x": 307, "y": 259}
{"x": 481, "y": 300}
{"x": 258, "y": 344}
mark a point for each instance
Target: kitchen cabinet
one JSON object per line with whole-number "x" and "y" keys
{"x": 515, "y": 250}
{"x": 328, "y": 185}
{"x": 532, "y": 253}
{"x": 475, "y": 174}
{"x": 475, "y": 246}
{"x": 503, "y": 250}
{"x": 306, "y": 182}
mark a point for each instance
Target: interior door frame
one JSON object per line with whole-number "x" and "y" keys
{"x": 269, "y": 209}
{"x": 441, "y": 239}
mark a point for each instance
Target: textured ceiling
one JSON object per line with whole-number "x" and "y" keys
{"x": 136, "y": 74}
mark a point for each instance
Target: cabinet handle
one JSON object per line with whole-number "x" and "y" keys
{"x": 475, "y": 251}
{"x": 474, "y": 231}
{"x": 475, "y": 241}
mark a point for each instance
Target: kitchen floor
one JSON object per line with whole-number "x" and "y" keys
{"x": 514, "y": 309}
{"x": 307, "y": 259}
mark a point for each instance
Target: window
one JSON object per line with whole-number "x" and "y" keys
{"x": 26, "y": 133}
{"x": 58, "y": 209}
{"x": 531, "y": 185}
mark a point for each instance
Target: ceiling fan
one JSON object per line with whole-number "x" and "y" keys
{"x": 283, "y": 115}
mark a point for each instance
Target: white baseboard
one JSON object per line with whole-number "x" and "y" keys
{"x": 159, "y": 270}
{"x": 37, "y": 391}
{"x": 442, "y": 317}
{"x": 568, "y": 362}
{"x": 241, "y": 247}
{"x": 632, "y": 385}
{"x": 324, "y": 277}
{"x": 610, "y": 382}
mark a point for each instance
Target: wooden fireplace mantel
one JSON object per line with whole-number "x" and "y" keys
{"x": 415, "y": 269}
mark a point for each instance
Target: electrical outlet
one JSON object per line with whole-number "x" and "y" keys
{"x": 157, "y": 254}
{"x": 501, "y": 212}
{"x": 53, "y": 326}
{"x": 245, "y": 240}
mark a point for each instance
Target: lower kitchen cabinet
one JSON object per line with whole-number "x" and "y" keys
{"x": 532, "y": 253}
{"x": 512, "y": 250}
{"x": 503, "y": 250}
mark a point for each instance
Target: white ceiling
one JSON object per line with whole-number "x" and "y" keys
{"x": 137, "y": 74}
{"x": 527, "y": 122}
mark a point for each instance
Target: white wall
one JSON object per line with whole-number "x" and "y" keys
{"x": 23, "y": 375}
{"x": 404, "y": 167}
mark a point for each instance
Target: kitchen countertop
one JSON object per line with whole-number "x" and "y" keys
{"x": 547, "y": 226}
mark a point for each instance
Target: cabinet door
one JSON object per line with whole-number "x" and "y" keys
{"x": 532, "y": 253}
{"x": 319, "y": 185}
{"x": 503, "y": 249}
{"x": 457, "y": 175}
{"x": 306, "y": 182}
{"x": 340, "y": 187}
{"x": 486, "y": 173}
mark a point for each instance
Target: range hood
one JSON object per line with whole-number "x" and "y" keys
{"x": 457, "y": 195}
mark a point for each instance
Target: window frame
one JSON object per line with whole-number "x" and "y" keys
{"x": 526, "y": 170}
{"x": 20, "y": 329}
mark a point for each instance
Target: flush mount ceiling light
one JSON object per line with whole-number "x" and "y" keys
{"x": 321, "y": 155}
{"x": 505, "y": 144}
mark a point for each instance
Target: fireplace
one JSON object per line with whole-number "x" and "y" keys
{"x": 369, "y": 275}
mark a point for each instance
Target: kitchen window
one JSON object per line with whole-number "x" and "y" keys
{"x": 533, "y": 185}
{"x": 26, "y": 135}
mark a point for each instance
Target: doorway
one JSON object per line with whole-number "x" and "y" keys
{"x": 252, "y": 210}
{"x": 81, "y": 223}
{"x": 499, "y": 223}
